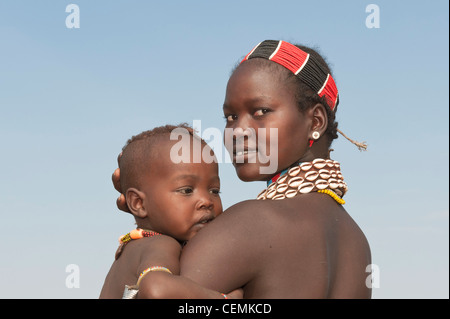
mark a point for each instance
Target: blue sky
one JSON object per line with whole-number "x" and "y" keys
{"x": 70, "y": 98}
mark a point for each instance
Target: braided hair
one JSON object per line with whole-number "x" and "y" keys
{"x": 304, "y": 69}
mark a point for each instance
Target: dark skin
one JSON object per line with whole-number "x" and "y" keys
{"x": 186, "y": 200}
{"x": 304, "y": 247}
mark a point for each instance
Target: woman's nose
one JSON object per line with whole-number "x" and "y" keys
{"x": 243, "y": 126}
{"x": 243, "y": 132}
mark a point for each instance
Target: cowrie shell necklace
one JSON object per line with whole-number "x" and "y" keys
{"x": 320, "y": 175}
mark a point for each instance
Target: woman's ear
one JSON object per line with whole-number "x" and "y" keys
{"x": 319, "y": 120}
{"x": 135, "y": 201}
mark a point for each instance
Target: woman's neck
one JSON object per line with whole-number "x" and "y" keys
{"x": 319, "y": 174}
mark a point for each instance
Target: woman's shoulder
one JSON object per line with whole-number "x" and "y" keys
{"x": 300, "y": 205}
{"x": 252, "y": 209}
{"x": 246, "y": 205}
{"x": 309, "y": 211}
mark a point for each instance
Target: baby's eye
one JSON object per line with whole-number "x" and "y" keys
{"x": 261, "y": 112}
{"x": 215, "y": 191}
{"x": 186, "y": 190}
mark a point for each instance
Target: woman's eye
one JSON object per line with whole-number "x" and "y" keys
{"x": 230, "y": 118}
{"x": 261, "y": 112}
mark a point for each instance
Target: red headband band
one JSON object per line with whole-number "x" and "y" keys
{"x": 302, "y": 64}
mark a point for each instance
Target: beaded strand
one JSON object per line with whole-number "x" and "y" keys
{"x": 333, "y": 195}
{"x": 132, "y": 235}
{"x": 137, "y": 234}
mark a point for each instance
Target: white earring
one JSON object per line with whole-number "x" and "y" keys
{"x": 315, "y": 135}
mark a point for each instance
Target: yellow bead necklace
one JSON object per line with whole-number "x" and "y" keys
{"x": 333, "y": 195}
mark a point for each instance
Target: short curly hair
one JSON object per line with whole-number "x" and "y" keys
{"x": 139, "y": 151}
{"x": 160, "y": 130}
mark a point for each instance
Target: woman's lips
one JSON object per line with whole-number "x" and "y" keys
{"x": 245, "y": 155}
{"x": 245, "y": 152}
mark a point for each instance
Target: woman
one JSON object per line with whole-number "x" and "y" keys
{"x": 296, "y": 240}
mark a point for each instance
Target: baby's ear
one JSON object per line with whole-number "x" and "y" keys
{"x": 135, "y": 201}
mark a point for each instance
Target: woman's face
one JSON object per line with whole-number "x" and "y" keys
{"x": 258, "y": 98}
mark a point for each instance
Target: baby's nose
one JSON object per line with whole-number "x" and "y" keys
{"x": 205, "y": 202}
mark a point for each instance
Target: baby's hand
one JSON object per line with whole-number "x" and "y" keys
{"x": 121, "y": 202}
{"x": 236, "y": 294}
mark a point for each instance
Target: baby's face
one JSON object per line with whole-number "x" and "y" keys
{"x": 181, "y": 198}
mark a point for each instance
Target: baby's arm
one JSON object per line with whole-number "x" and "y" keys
{"x": 163, "y": 285}
{"x": 158, "y": 283}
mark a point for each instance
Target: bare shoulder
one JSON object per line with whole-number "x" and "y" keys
{"x": 136, "y": 256}
{"x": 256, "y": 215}
{"x": 254, "y": 226}
{"x": 249, "y": 236}
{"x": 227, "y": 244}
{"x": 151, "y": 245}
{"x": 159, "y": 243}
{"x": 302, "y": 236}
{"x": 246, "y": 210}
{"x": 253, "y": 220}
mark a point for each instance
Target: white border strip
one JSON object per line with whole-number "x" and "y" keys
{"x": 303, "y": 65}
{"x": 325, "y": 84}
{"x": 253, "y": 50}
{"x": 276, "y": 50}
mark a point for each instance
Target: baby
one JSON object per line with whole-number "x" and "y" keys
{"x": 171, "y": 201}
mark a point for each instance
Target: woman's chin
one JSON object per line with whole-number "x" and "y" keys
{"x": 250, "y": 172}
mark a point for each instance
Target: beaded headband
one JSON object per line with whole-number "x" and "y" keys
{"x": 302, "y": 64}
